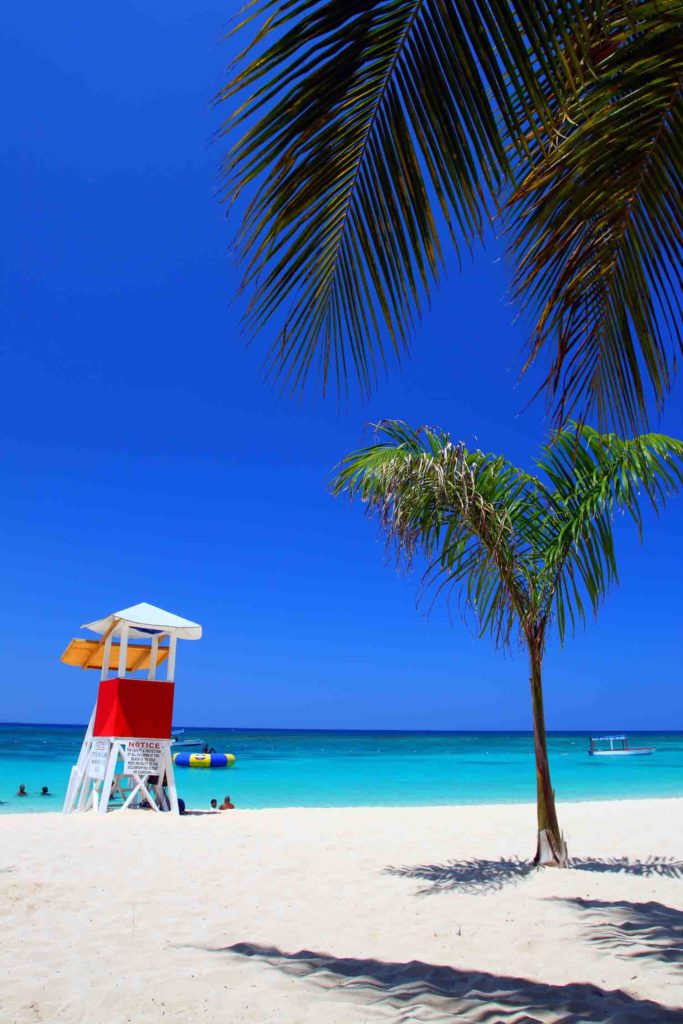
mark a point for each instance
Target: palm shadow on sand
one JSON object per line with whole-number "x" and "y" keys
{"x": 643, "y": 931}
{"x": 477, "y": 875}
{"x": 423, "y": 991}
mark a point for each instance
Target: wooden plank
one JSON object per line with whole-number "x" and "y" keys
{"x": 89, "y": 654}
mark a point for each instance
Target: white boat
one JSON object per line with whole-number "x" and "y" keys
{"x": 191, "y": 743}
{"x": 618, "y": 747}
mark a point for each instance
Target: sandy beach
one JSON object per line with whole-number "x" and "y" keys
{"x": 343, "y": 915}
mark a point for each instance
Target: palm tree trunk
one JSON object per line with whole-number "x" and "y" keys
{"x": 551, "y": 849}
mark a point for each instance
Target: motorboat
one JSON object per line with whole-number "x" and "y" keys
{"x": 178, "y": 740}
{"x": 615, "y": 746}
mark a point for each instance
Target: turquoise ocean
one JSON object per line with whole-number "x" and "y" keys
{"x": 290, "y": 768}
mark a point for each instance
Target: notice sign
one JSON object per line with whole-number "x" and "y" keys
{"x": 143, "y": 757}
{"x": 99, "y": 755}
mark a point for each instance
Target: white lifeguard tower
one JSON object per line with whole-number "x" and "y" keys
{"x": 126, "y": 752}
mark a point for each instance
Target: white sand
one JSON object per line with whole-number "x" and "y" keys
{"x": 139, "y": 917}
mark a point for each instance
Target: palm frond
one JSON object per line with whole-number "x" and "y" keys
{"x": 475, "y": 518}
{"x": 597, "y": 224}
{"x": 518, "y": 548}
{"x": 370, "y": 127}
{"x": 591, "y": 477}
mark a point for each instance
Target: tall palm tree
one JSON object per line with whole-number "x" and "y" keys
{"x": 522, "y": 550}
{"x": 375, "y": 131}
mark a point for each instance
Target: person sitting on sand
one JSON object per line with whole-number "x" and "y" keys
{"x": 227, "y": 805}
{"x": 214, "y": 804}
{"x": 45, "y": 791}
{"x": 22, "y": 790}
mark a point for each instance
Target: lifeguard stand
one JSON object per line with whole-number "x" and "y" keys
{"x": 126, "y": 752}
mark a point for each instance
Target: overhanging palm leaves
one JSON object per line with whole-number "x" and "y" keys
{"x": 374, "y": 130}
{"x": 520, "y": 549}
{"x": 598, "y": 222}
{"x": 371, "y": 127}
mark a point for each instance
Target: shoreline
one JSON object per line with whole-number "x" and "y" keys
{"x": 498, "y": 805}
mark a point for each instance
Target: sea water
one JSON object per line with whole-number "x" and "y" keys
{"x": 290, "y": 768}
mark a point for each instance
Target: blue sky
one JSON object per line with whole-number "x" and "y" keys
{"x": 145, "y": 459}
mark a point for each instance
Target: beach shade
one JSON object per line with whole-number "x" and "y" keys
{"x": 146, "y": 620}
{"x": 90, "y": 654}
{"x": 126, "y": 752}
{"x": 141, "y": 621}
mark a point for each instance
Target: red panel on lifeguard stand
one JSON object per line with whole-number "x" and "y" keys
{"x": 134, "y": 707}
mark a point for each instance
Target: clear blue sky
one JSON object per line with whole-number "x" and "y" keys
{"x": 144, "y": 458}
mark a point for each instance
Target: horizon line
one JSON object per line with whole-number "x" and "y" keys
{"x": 309, "y": 728}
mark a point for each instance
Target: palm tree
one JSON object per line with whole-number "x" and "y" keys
{"x": 375, "y": 131}
{"x": 523, "y": 551}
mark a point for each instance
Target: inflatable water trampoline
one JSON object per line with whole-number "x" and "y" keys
{"x": 187, "y": 760}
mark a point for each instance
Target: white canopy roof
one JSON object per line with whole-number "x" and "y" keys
{"x": 145, "y": 619}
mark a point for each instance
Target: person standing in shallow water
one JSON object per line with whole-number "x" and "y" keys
{"x": 22, "y": 790}
{"x": 227, "y": 805}
{"x": 214, "y": 805}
